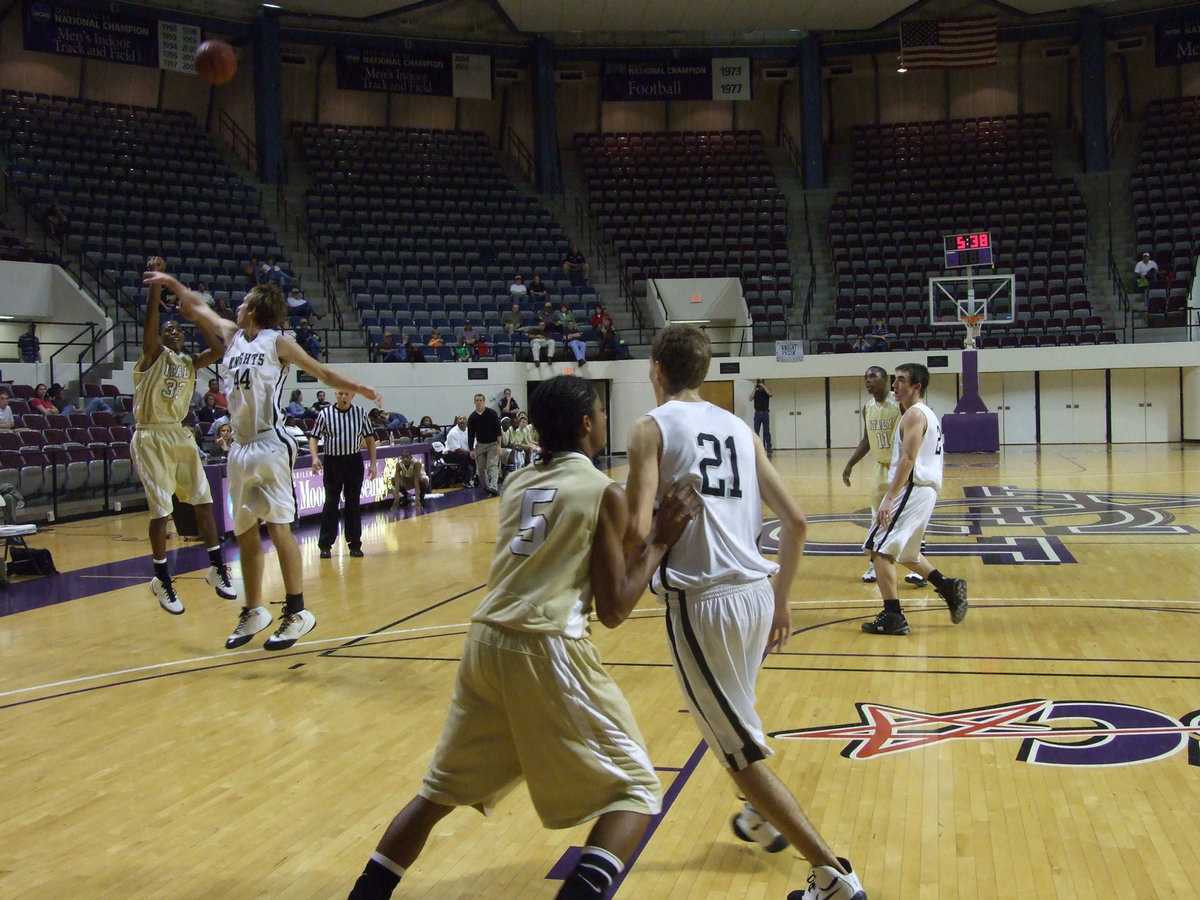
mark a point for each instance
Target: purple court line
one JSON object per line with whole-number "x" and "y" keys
{"x": 567, "y": 861}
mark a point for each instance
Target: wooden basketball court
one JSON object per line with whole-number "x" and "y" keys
{"x": 1048, "y": 746}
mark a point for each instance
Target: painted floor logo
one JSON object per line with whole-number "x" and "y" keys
{"x": 1052, "y": 733}
{"x": 1052, "y": 514}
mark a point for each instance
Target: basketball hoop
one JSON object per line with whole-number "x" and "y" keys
{"x": 974, "y": 326}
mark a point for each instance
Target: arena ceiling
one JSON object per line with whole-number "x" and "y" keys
{"x": 642, "y": 22}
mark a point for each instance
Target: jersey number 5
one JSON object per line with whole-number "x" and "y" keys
{"x": 531, "y": 533}
{"x": 710, "y": 466}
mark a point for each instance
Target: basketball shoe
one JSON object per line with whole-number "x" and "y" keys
{"x": 827, "y": 883}
{"x": 250, "y": 623}
{"x": 749, "y": 825}
{"x": 292, "y": 627}
{"x": 218, "y": 577}
{"x": 915, "y": 580}
{"x": 887, "y": 623}
{"x": 167, "y": 598}
{"x": 954, "y": 592}
{"x": 869, "y": 575}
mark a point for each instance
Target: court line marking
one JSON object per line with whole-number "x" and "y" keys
{"x": 309, "y": 646}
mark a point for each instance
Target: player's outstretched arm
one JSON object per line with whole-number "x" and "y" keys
{"x": 152, "y": 345}
{"x": 291, "y": 352}
{"x": 192, "y": 305}
{"x": 617, "y": 582}
{"x": 793, "y": 529}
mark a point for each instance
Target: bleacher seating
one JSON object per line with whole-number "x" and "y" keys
{"x": 426, "y": 230}
{"x": 915, "y": 182}
{"x": 1164, "y": 190}
{"x": 94, "y": 158}
{"x": 692, "y": 204}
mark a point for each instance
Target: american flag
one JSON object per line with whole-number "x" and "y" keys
{"x": 951, "y": 44}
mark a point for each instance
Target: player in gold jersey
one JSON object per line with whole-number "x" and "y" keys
{"x": 165, "y": 452}
{"x": 532, "y": 700}
{"x": 881, "y": 418}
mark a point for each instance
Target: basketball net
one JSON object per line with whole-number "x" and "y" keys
{"x": 974, "y": 326}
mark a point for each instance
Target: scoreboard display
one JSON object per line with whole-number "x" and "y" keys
{"x": 964, "y": 250}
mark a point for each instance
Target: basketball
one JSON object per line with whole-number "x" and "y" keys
{"x": 216, "y": 62}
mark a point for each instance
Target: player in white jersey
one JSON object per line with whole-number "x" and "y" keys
{"x": 881, "y": 418}
{"x": 164, "y": 451}
{"x": 723, "y": 613}
{"x": 532, "y": 700}
{"x": 257, "y": 357}
{"x": 914, "y": 479}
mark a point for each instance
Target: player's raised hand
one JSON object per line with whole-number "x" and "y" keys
{"x": 677, "y": 509}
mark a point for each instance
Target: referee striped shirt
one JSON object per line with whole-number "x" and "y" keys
{"x": 343, "y": 430}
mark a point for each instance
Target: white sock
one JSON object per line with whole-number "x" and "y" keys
{"x": 393, "y": 867}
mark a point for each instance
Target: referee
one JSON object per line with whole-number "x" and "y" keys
{"x": 344, "y": 427}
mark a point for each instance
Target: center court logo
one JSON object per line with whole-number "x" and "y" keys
{"x": 1051, "y": 733}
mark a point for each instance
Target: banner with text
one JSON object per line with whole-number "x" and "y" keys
{"x": 721, "y": 78}
{"x": 109, "y": 36}
{"x": 1177, "y": 42}
{"x": 402, "y": 72}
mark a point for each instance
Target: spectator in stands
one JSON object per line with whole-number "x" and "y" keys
{"x": 458, "y": 451}
{"x": 1146, "y": 270}
{"x": 29, "y": 346}
{"x": 513, "y": 319}
{"x": 295, "y": 407}
{"x": 537, "y": 288}
{"x": 482, "y": 350}
{"x": 395, "y": 420}
{"x": 435, "y": 339}
{"x": 273, "y": 273}
{"x": 41, "y": 402}
{"x": 599, "y": 317}
{"x": 57, "y": 397}
{"x": 298, "y": 306}
{"x": 386, "y": 349}
{"x": 880, "y": 336}
{"x": 517, "y": 289}
{"x": 254, "y": 274}
{"x": 222, "y": 309}
{"x": 214, "y": 390}
{"x": 507, "y": 404}
{"x": 572, "y": 336}
{"x": 611, "y": 346}
{"x": 575, "y": 265}
{"x": 6, "y": 414}
{"x": 208, "y": 413}
{"x": 206, "y": 294}
{"x": 307, "y": 338}
{"x": 409, "y": 475}
{"x": 224, "y": 439}
{"x": 471, "y": 338}
{"x": 427, "y": 431}
{"x": 321, "y": 404}
{"x": 462, "y": 351}
{"x": 539, "y": 340}
{"x": 413, "y": 352}
{"x": 56, "y": 221}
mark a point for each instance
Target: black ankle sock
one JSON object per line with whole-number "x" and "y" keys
{"x": 293, "y": 603}
{"x": 592, "y": 876}
{"x": 214, "y": 557}
{"x": 892, "y": 606}
{"x": 936, "y": 578}
{"x": 161, "y": 572}
{"x": 375, "y": 883}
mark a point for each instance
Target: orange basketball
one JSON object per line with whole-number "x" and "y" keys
{"x": 216, "y": 61}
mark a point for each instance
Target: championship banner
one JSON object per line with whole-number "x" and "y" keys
{"x": 722, "y": 78}
{"x": 1177, "y": 42}
{"x": 89, "y": 33}
{"x": 402, "y": 72}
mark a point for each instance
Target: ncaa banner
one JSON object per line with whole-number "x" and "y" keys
{"x": 1177, "y": 42}
{"x": 721, "y": 78}
{"x": 90, "y": 33}
{"x": 402, "y": 72}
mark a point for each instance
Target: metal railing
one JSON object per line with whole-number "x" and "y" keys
{"x": 239, "y": 142}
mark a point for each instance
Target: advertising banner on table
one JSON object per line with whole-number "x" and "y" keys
{"x": 417, "y": 72}
{"x": 722, "y": 78}
{"x": 1177, "y": 42}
